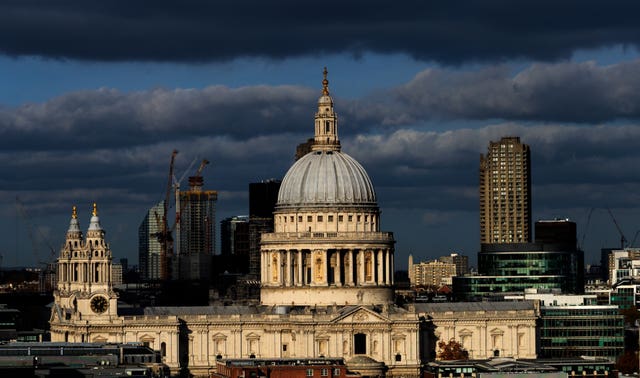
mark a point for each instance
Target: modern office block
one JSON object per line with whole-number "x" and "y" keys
{"x": 149, "y": 248}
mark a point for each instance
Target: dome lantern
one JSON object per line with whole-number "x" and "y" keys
{"x": 326, "y": 126}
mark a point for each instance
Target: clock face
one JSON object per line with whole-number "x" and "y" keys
{"x": 99, "y": 304}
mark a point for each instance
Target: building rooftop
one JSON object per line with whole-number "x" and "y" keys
{"x": 474, "y": 306}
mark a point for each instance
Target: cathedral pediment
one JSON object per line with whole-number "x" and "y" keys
{"x": 360, "y": 315}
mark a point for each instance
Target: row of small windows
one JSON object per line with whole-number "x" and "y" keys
{"x": 324, "y": 372}
{"x": 92, "y": 243}
{"x": 88, "y": 254}
{"x": 330, "y": 218}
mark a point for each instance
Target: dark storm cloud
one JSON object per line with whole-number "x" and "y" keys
{"x": 572, "y": 166}
{"x": 109, "y": 118}
{"x": 104, "y": 140}
{"x": 565, "y": 92}
{"x": 196, "y": 31}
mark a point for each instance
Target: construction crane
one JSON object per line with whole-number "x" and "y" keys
{"x": 164, "y": 234}
{"x": 35, "y": 234}
{"x": 586, "y": 229}
{"x": 633, "y": 241}
{"x": 204, "y": 163}
{"x": 623, "y": 240}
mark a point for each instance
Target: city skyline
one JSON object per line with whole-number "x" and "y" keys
{"x": 90, "y": 112}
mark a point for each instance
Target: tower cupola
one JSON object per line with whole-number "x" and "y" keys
{"x": 95, "y": 234}
{"x": 326, "y": 126}
{"x": 73, "y": 232}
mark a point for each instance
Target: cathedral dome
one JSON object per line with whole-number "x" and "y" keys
{"x": 323, "y": 178}
{"x": 326, "y": 176}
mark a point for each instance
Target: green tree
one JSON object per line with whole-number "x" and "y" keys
{"x": 452, "y": 350}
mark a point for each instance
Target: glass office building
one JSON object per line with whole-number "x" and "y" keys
{"x": 574, "y": 331}
{"x": 513, "y": 267}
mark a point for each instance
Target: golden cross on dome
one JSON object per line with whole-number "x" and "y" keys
{"x": 95, "y": 210}
{"x": 74, "y": 212}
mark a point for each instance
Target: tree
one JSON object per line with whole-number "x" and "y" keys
{"x": 628, "y": 362}
{"x": 452, "y": 350}
{"x": 631, "y": 315}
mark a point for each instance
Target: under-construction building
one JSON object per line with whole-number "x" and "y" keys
{"x": 197, "y": 232}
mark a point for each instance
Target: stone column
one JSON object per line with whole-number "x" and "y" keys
{"x": 279, "y": 268}
{"x": 350, "y": 270}
{"x": 380, "y": 265}
{"x": 264, "y": 267}
{"x": 338, "y": 280}
{"x": 300, "y": 280}
{"x": 391, "y": 265}
{"x": 360, "y": 262}
{"x": 288, "y": 267}
{"x": 387, "y": 278}
{"x": 313, "y": 268}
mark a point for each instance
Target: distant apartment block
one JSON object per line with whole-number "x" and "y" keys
{"x": 460, "y": 261}
{"x": 505, "y": 192}
{"x": 437, "y": 272}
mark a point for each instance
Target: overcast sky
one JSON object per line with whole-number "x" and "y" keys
{"x": 95, "y": 95}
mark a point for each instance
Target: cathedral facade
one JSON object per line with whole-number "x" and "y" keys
{"x": 326, "y": 282}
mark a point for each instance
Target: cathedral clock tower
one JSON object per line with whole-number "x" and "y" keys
{"x": 84, "y": 291}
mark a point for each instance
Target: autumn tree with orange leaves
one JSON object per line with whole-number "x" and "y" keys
{"x": 452, "y": 350}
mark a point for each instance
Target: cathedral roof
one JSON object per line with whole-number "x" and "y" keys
{"x": 326, "y": 176}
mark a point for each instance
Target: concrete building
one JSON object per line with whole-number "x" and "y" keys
{"x": 623, "y": 264}
{"x": 505, "y": 192}
{"x": 460, "y": 261}
{"x": 149, "y": 248}
{"x": 625, "y": 294}
{"x": 431, "y": 273}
